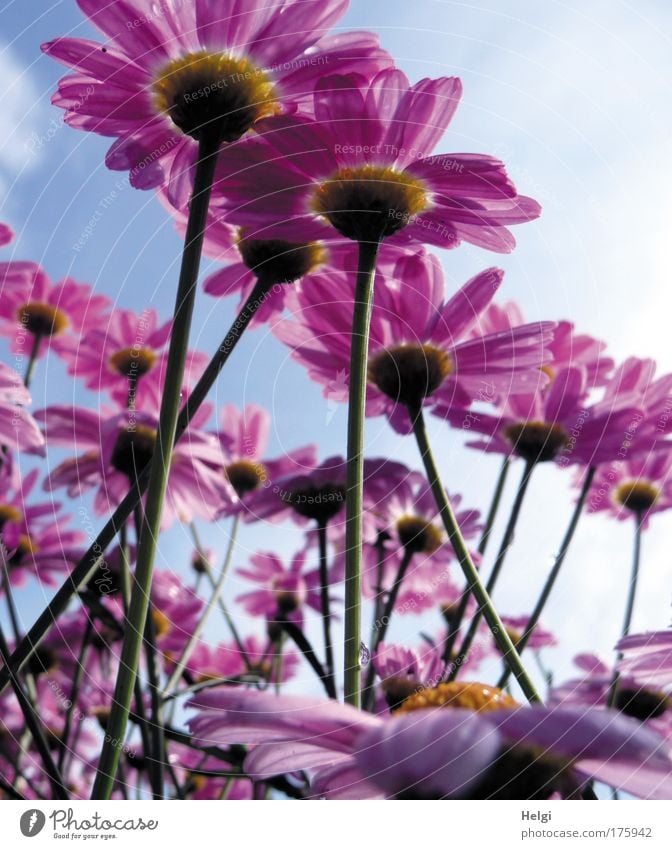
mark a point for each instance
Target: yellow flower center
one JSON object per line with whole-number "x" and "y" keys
{"x": 214, "y": 92}
{"x": 42, "y": 319}
{"x": 8, "y": 513}
{"x": 371, "y": 202}
{"x": 417, "y": 534}
{"x": 162, "y": 624}
{"x": 409, "y": 373}
{"x": 277, "y": 261}
{"x": 463, "y": 695}
{"x": 537, "y": 442}
{"x": 133, "y": 362}
{"x": 635, "y": 495}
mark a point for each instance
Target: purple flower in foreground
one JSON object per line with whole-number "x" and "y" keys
{"x": 492, "y": 750}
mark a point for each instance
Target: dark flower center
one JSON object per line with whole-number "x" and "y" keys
{"x": 638, "y": 496}
{"x": 276, "y": 261}
{"x": 371, "y": 202}
{"x": 536, "y": 442}
{"x": 26, "y": 548}
{"x": 417, "y": 534}
{"x": 42, "y": 319}
{"x": 320, "y": 503}
{"x": 409, "y": 373}
{"x": 641, "y": 704}
{"x": 133, "y": 362}
{"x": 246, "y": 476}
{"x": 205, "y": 91}
{"x": 133, "y": 450}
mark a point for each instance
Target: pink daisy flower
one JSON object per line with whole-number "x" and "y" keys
{"x": 243, "y": 437}
{"x": 540, "y": 638}
{"x": 283, "y": 592}
{"x": 114, "y": 445}
{"x": 206, "y": 777}
{"x": 18, "y": 429}
{"x": 434, "y": 748}
{"x": 364, "y": 169}
{"x": 404, "y": 671}
{"x": 639, "y": 487}
{"x": 648, "y": 657}
{"x": 168, "y": 72}
{"x": 225, "y": 661}
{"x": 555, "y": 423}
{"x": 6, "y": 235}
{"x": 57, "y": 313}
{"x": 420, "y": 347}
{"x": 120, "y": 354}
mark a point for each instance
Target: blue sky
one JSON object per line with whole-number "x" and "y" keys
{"x": 574, "y": 96}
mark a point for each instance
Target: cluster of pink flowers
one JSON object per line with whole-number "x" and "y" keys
{"x": 322, "y": 144}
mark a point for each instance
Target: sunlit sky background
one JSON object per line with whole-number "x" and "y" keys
{"x": 574, "y": 96}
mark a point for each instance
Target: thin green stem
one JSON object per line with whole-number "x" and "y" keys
{"x": 458, "y": 617}
{"x": 94, "y": 556}
{"x": 555, "y": 570}
{"x": 73, "y": 695}
{"x": 181, "y": 664}
{"x": 630, "y": 604}
{"x": 382, "y": 623}
{"x": 504, "y": 548}
{"x": 159, "y": 466}
{"x": 361, "y": 323}
{"x": 325, "y": 604}
{"x": 303, "y": 644}
{"x": 500, "y": 635}
{"x": 32, "y": 360}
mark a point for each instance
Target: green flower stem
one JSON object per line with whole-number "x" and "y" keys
{"x": 73, "y": 695}
{"x": 32, "y": 360}
{"x": 303, "y": 644}
{"x": 505, "y": 546}
{"x": 366, "y": 272}
{"x": 502, "y": 639}
{"x": 325, "y": 604}
{"x": 94, "y": 556}
{"x": 159, "y": 467}
{"x": 210, "y": 606}
{"x": 555, "y": 570}
{"x": 630, "y": 605}
{"x": 457, "y": 618}
{"x": 382, "y": 624}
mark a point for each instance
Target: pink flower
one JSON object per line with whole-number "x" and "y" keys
{"x": 648, "y": 657}
{"x": 114, "y": 445}
{"x": 243, "y": 437}
{"x": 431, "y": 753}
{"x": 6, "y": 235}
{"x": 121, "y": 353}
{"x": 30, "y": 304}
{"x": 261, "y": 662}
{"x": 639, "y": 487}
{"x": 364, "y": 169}
{"x": 283, "y": 592}
{"x": 405, "y": 671}
{"x": 167, "y": 71}
{"x": 540, "y": 637}
{"x": 420, "y": 347}
{"x": 555, "y": 423}
{"x": 18, "y": 429}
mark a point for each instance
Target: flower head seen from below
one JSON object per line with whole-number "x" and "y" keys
{"x": 183, "y": 69}
{"x": 18, "y": 429}
{"x": 420, "y": 348}
{"x": 362, "y": 167}
{"x": 459, "y": 740}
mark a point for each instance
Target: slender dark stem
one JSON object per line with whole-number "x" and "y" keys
{"x": 458, "y": 616}
{"x": 382, "y": 623}
{"x": 630, "y": 605}
{"x": 33, "y": 725}
{"x": 74, "y": 692}
{"x": 94, "y": 556}
{"x": 504, "y": 548}
{"x": 501, "y": 637}
{"x": 158, "y": 760}
{"x": 303, "y": 644}
{"x": 159, "y": 466}
{"x": 32, "y": 361}
{"x": 361, "y": 323}
{"x": 555, "y": 570}
{"x": 325, "y": 603}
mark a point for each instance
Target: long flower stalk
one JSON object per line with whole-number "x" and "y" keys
{"x": 159, "y": 466}
{"x": 500, "y": 635}
{"x": 366, "y": 272}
